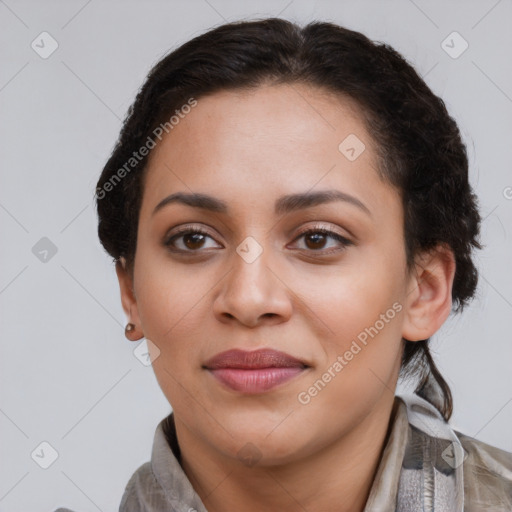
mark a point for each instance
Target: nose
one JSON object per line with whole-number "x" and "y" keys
{"x": 253, "y": 293}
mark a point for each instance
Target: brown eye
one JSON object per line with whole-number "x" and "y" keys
{"x": 315, "y": 240}
{"x": 193, "y": 240}
{"x": 188, "y": 240}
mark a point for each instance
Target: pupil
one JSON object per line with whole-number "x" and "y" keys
{"x": 317, "y": 237}
{"x": 195, "y": 238}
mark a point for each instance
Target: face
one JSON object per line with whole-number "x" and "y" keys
{"x": 265, "y": 265}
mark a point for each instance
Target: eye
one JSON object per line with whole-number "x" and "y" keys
{"x": 190, "y": 239}
{"x": 315, "y": 239}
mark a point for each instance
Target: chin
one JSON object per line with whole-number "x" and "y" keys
{"x": 263, "y": 452}
{"x": 272, "y": 442}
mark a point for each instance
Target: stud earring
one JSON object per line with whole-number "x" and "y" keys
{"x": 129, "y": 329}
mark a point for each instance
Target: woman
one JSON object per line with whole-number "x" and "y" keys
{"x": 291, "y": 220}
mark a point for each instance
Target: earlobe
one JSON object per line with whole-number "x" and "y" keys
{"x": 128, "y": 301}
{"x": 429, "y": 296}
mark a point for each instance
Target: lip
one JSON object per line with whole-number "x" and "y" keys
{"x": 256, "y": 371}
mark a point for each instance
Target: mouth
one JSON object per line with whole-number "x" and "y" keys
{"x": 254, "y": 372}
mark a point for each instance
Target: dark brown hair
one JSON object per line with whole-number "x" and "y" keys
{"x": 419, "y": 145}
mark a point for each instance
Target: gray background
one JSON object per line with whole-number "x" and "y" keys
{"x": 68, "y": 375}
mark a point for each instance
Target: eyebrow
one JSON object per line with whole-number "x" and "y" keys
{"x": 285, "y": 204}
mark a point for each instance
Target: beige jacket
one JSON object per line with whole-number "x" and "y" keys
{"x": 426, "y": 467}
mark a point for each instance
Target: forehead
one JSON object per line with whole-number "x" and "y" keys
{"x": 246, "y": 146}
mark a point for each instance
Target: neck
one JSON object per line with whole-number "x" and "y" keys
{"x": 338, "y": 478}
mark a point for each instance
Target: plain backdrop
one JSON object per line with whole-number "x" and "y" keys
{"x": 69, "y": 377}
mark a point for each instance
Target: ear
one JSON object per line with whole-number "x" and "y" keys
{"x": 128, "y": 299}
{"x": 429, "y": 295}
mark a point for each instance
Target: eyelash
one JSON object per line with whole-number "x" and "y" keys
{"x": 187, "y": 230}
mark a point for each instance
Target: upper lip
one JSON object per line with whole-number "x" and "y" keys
{"x": 263, "y": 358}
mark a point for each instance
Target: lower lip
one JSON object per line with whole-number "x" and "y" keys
{"x": 256, "y": 380}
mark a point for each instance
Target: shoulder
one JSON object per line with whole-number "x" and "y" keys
{"x": 140, "y": 494}
{"x": 142, "y": 484}
{"x": 487, "y": 474}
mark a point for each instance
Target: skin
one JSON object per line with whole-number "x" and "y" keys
{"x": 248, "y": 149}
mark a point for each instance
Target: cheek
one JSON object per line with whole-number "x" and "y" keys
{"x": 351, "y": 298}
{"x": 163, "y": 291}
{"x": 361, "y": 316}
{"x": 361, "y": 351}
{"x": 170, "y": 312}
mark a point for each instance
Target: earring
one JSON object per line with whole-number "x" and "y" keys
{"x": 129, "y": 329}
{"x": 129, "y": 332}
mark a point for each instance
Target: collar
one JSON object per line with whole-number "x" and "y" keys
{"x": 420, "y": 468}
{"x": 177, "y": 491}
